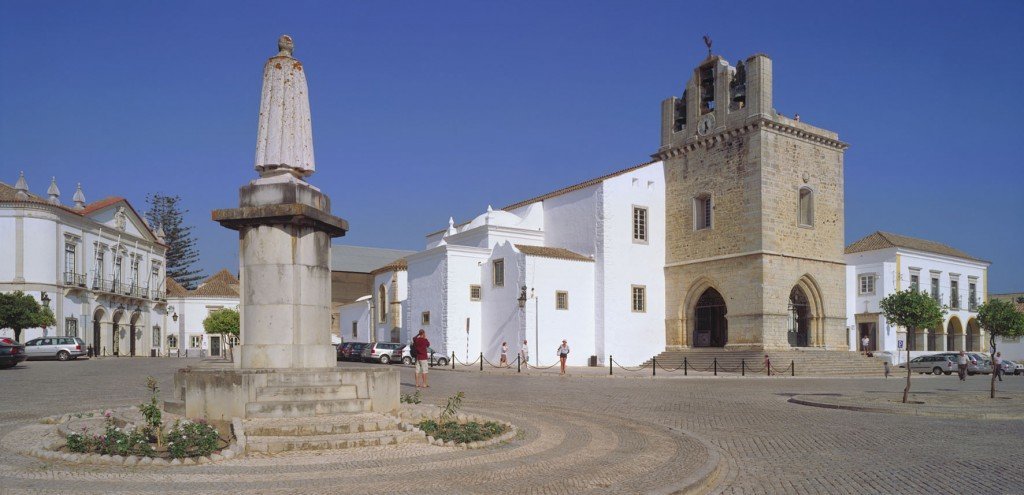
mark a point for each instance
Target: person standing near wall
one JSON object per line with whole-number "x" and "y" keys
{"x": 563, "y": 353}
{"x": 524, "y": 354}
{"x": 997, "y": 366}
{"x": 504, "y": 355}
{"x": 961, "y": 365}
{"x": 420, "y": 346}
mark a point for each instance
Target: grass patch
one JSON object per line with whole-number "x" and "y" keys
{"x": 451, "y": 431}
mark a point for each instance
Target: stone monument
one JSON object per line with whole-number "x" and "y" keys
{"x": 286, "y": 365}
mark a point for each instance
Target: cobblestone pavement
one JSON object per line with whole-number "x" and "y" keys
{"x": 580, "y": 434}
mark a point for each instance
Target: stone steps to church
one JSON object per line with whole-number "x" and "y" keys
{"x": 305, "y": 392}
{"x": 304, "y": 408}
{"x": 323, "y": 425}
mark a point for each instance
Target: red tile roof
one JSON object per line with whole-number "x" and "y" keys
{"x": 885, "y": 240}
{"x": 552, "y": 252}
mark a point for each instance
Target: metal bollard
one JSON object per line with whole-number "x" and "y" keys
{"x": 716, "y": 366}
{"x": 685, "y": 365}
{"x": 768, "y": 367}
{"x": 654, "y": 366}
{"x": 610, "y": 361}
{"x": 519, "y": 364}
{"x": 743, "y": 367}
{"x": 430, "y": 363}
{"x": 792, "y": 368}
{"x": 481, "y": 361}
{"x": 453, "y": 359}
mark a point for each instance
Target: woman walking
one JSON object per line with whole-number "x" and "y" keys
{"x": 504, "y": 355}
{"x": 563, "y": 352}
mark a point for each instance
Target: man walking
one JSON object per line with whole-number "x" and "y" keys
{"x": 998, "y": 366}
{"x": 420, "y": 346}
{"x": 524, "y": 354}
{"x": 961, "y": 364}
{"x": 864, "y": 343}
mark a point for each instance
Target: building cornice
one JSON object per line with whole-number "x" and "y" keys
{"x": 87, "y": 224}
{"x": 759, "y": 123}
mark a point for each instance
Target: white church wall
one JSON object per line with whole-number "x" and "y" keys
{"x": 463, "y": 316}
{"x": 502, "y": 318}
{"x": 427, "y": 292}
{"x": 631, "y": 337}
{"x": 546, "y": 325}
{"x": 356, "y": 312}
{"x": 7, "y": 246}
{"x": 571, "y": 220}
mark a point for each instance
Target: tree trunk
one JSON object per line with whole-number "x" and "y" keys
{"x": 992, "y": 394}
{"x": 906, "y": 391}
{"x": 17, "y": 335}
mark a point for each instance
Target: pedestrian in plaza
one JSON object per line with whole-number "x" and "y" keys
{"x": 563, "y": 353}
{"x": 768, "y": 364}
{"x": 864, "y": 343}
{"x": 961, "y": 365}
{"x": 885, "y": 367}
{"x": 420, "y": 346}
{"x": 524, "y": 354}
{"x": 504, "y": 355}
{"x": 997, "y": 362}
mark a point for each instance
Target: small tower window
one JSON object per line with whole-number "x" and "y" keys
{"x": 679, "y": 121}
{"x": 498, "y": 273}
{"x": 806, "y": 214}
{"x": 382, "y": 306}
{"x": 639, "y": 224}
{"x": 702, "y": 212}
{"x": 707, "y": 89}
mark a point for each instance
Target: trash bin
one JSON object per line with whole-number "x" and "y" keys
{"x": 152, "y": 353}
{"x": 593, "y": 361}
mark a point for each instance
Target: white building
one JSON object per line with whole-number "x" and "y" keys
{"x": 99, "y": 264}
{"x": 883, "y": 263}
{"x": 584, "y": 263}
{"x": 1012, "y": 348}
{"x": 186, "y": 310}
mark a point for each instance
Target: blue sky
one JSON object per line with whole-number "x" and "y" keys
{"x": 425, "y": 110}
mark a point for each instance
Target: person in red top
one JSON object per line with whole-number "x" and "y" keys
{"x": 420, "y": 346}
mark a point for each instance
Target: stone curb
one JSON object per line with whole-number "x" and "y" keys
{"x": 904, "y": 410}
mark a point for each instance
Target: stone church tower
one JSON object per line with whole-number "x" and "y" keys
{"x": 754, "y": 217}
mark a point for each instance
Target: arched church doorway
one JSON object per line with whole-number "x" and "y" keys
{"x": 954, "y": 334}
{"x": 711, "y": 329}
{"x": 97, "y": 342}
{"x": 115, "y": 333}
{"x": 974, "y": 342}
{"x": 800, "y": 318}
{"x": 133, "y": 332}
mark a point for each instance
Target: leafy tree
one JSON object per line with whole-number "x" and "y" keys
{"x": 223, "y": 322}
{"x": 182, "y": 255}
{"x": 911, "y": 309}
{"x": 19, "y": 311}
{"x": 1000, "y": 319}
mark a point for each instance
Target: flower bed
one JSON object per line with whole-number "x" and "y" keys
{"x": 183, "y": 439}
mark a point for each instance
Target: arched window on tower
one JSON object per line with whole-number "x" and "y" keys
{"x": 806, "y": 213}
{"x": 382, "y": 304}
{"x": 702, "y": 211}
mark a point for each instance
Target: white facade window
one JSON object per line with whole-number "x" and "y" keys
{"x": 972, "y": 296}
{"x": 474, "y": 292}
{"x": 806, "y": 213}
{"x": 639, "y": 224}
{"x": 70, "y": 327}
{"x": 954, "y": 294}
{"x": 561, "y": 299}
{"x": 156, "y": 335}
{"x": 99, "y": 271}
{"x": 639, "y": 298}
{"x": 498, "y": 273}
{"x": 117, "y": 270}
{"x": 70, "y": 257}
{"x": 935, "y": 288}
{"x": 425, "y": 318}
{"x": 702, "y": 208}
{"x": 172, "y": 341}
{"x": 195, "y": 341}
{"x": 867, "y": 284}
{"x": 915, "y": 281}
{"x": 355, "y": 329}
{"x": 233, "y": 340}
{"x": 135, "y": 271}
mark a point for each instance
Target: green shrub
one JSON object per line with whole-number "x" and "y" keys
{"x": 192, "y": 439}
{"x": 451, "y": 431}
{"x": 79, "y": 442}
{"x": 452, "y": 407}
{"x": 411, "y": 398}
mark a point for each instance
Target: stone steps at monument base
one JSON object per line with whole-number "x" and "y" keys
{"x": 305, "y": 392}
{"x": 305, "y": 408}
{"x": 305, "y": 379}
{"x": 818, "y": 363}
{"x": 275, "y": 444}
{"x": 323, "y": 425}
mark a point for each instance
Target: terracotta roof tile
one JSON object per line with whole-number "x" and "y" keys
{"x": 220, "y": 284}
{"x": 886, "y": 240}
{"x": 174, "y": 289}
{"x": 552, "y": 252}
{"x": 401, "y": 264}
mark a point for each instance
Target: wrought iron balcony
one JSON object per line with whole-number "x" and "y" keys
{"x": 159, "y": 295}
{"x": 74, "y": 279}
{"x": 972, "y": 304}
{"x": 954, "y": 301}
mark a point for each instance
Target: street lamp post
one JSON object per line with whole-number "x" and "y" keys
{"x": 46, "y": 302}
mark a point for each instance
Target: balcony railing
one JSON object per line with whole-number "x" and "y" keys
{"x": 158, "y": 295}
{"x": 972, "y": 304}
{"x": 129, "y": 289}
{"x": 74, "y": 279}
{"x": 954, "y": 301}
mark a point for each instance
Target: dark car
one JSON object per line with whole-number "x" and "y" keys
{"x": 11, "y": 353}
{"x": 352, "y": 351}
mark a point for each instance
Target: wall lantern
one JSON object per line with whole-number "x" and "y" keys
{"x": 46, "y": 299}
{"x": 522, "y": 297}
{"x": 175, "y": 317}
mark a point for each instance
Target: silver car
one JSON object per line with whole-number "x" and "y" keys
{"x": 62, "y": 348}
{"x": 935, "y": 363}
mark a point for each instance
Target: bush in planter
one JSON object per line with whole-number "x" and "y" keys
{"x": 192, "y": 439}
{"x": 451, "y": 431}
{"x": 113, "y": 441}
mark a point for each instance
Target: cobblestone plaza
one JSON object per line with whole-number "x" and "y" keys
{"x": 585, "y": 433}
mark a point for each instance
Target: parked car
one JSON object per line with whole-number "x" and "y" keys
{"x": 981, "y": 364}
{"x": 1018, "y": 367}
{"x": 382, "y": 352}
{"x": 936, "y": 364}
{"x": 351, "y": 351}
{"x": 408, "y": 358}
{"x": 1009, "y": 367}
{"x": 62, "y": 348}
{"x": 11, "y": 353}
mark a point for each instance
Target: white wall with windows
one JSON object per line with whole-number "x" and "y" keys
{"x": 191, "y": 311}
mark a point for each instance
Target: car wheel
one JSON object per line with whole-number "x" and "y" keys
{"x": 385, "y": 359}
{"x": 970, "y": 373}
{"x": 6, "y": 365}
{"x": 407, "y": 360}
{"x": 936, "y": 371}
{"x": 948, "y": 373}
{"x": 442, "y": 361}
{"x": 63, "y": 355}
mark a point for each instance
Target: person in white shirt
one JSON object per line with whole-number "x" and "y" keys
{"x": 524, "y": 354}
{"x": 997, "y": 364}
{"x": 563, "y": 353}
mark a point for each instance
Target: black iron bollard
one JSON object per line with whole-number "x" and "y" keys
{"x": 481, "y": 361}
{"x": 792, "y": 368}
{"x": 654, "y": 366}
{"x": 453, "y": 359}
{"x": 519, "y": 364}
{"x": 743, "y": 367}
{"x": 430, "y": 363}
{"x": 610, "y": 361}
{"x": 685, "y": 365}
{"x": 715, "y": 363}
